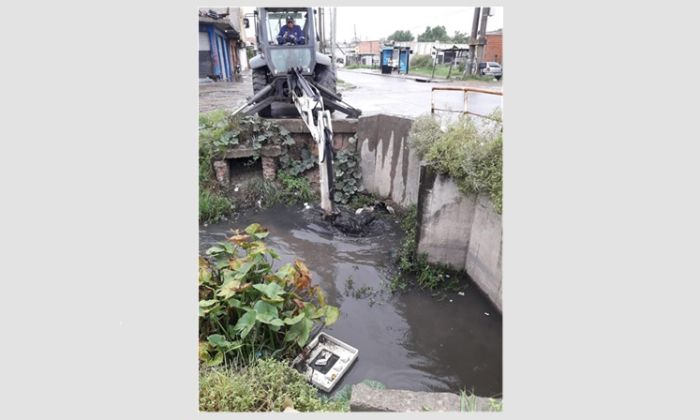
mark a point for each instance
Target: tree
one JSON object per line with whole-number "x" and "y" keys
{"x": 438, "y": 33}
{"x": 460, "y": 38}
{"x": 401, "y": 36}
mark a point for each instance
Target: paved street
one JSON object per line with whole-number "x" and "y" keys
{"x": 392, "y": 95}
{"x": 372, "y": 93}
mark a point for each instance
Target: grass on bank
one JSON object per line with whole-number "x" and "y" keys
{"x": 213, "y": 206}
{"x": 468, "y": 402}
{"x": 360, "y": 66}
{"x": 266, "y": 385}
{"x": 433, "y": 277}
{"x": 471, "y": 155}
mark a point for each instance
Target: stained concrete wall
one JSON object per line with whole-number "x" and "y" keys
{"x": 462, "y": 230}
{"x": 389, "y": 166}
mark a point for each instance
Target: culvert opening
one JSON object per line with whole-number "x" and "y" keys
{"x": 244, "y": 169}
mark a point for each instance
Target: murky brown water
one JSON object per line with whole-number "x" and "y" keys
{"x": 408, "y": 340}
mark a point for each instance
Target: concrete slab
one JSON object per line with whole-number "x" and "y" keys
{"x": 365, "y": 398}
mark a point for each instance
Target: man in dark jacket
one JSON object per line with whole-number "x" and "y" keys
{"x": 291, "y": 33}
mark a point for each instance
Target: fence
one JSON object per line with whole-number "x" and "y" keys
{"x": 466, "y": 91}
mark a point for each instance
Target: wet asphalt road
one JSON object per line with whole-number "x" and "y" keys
{"x": 376, "y": 94}
{"x": 373, "y": 94}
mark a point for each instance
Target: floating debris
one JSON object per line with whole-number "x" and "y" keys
{"x": 487, "y": 314}
{"x": 461, "y": 293}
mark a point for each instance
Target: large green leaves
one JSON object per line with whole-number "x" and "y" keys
{"x": 299, "y": 332}
{"x": 332, "y": 314}
{"x": 295, "y": 319}
{"x": 270, "y": 290}
{"x": 247, "y": 308}
{"x": 256, "y": 231}
{"x": 245, "y": 324}
{"x": 266, "y": 313}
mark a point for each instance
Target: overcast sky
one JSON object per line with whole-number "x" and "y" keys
{"x": 379, "y": 22}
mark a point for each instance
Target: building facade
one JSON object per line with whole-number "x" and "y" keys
{"x": 220, "y": 44}
{"x": 493, "y": 50}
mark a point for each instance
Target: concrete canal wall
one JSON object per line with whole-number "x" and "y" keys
{"x": 461, "y": 230}
{"x": 390, "y": 168}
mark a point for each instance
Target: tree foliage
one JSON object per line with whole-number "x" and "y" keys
{"x": 460, "y": 37}
{"x": 401, "y": 36}
{"x": 438, "y": 33}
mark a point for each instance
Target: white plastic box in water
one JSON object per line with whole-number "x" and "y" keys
{"x": 325, "y": 360}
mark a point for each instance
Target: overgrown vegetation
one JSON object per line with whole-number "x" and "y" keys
{"x": 266, "y": 385}
{"x": 422, "y": 60}
{"x": 247, "y": 310}
{"x": 478, "y": 77}
{"x": 468, "y": 402}
{"x": 347, "y": 175}
{"x": 470, "y": 155}
{"x": 359, "y": 66}
{"x": 434, "y": 277}
{"x": 218, "y": 133}
{"x": 213, "y": 206}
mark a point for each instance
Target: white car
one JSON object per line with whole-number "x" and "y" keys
{"x": 492, "y": 69}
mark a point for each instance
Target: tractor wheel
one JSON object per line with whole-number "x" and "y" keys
{"x": 259, "y": 83}
{"x": 325, "y": 76}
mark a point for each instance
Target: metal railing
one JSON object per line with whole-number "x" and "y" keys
{"x": 466, "y": 91}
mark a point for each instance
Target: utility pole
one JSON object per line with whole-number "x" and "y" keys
{"x": 333, "y": 25}
{"x": 482, "y": 36}
{"x": 469, "y": 68}
{"x": 322, "y": 28}
{"x": 354, "y": 27}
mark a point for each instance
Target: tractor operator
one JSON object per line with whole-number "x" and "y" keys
{"x": 291, "y": 33}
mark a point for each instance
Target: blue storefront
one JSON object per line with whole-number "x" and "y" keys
{"x": 215, "y": 58}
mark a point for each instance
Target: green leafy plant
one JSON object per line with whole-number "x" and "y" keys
{"x": 213, "y": 206}
{"x": 347, "y": 175}
{"x": 362, "y": 199}
{"x": 247, "y": 310}
{"x": 218, "y": 132}
{"x": 468, "y": 401}
{"x": 414, "y": 265}
{"x": 471, "y": 155}
{"x": 265, "y": 385}
{"x": 295, "y": 189}
{"x": 296, "y": 167}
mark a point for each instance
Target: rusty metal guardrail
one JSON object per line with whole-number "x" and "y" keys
{"x": 466, "y": 91}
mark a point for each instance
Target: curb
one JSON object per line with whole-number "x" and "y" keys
{"x": 411, "y": 77}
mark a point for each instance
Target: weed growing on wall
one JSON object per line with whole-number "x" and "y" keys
{"x": 411, "y": 264}
{"x": 218, "y": 132}
{"x": 471, "y": 155}
{"x": 347, "y": 175}
{"x": 296, "y": 167}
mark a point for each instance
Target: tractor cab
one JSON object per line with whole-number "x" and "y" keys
{"x": 285, "y": 54}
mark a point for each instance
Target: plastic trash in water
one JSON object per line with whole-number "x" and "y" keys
{"x": 325, "y": 360}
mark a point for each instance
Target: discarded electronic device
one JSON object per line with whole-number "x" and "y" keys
{"x": 325, "y": 360}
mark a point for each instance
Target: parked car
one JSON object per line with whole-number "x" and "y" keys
{"x": 491, "y": 68}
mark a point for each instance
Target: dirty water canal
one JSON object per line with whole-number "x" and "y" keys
{"x": 407, "y": 340}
